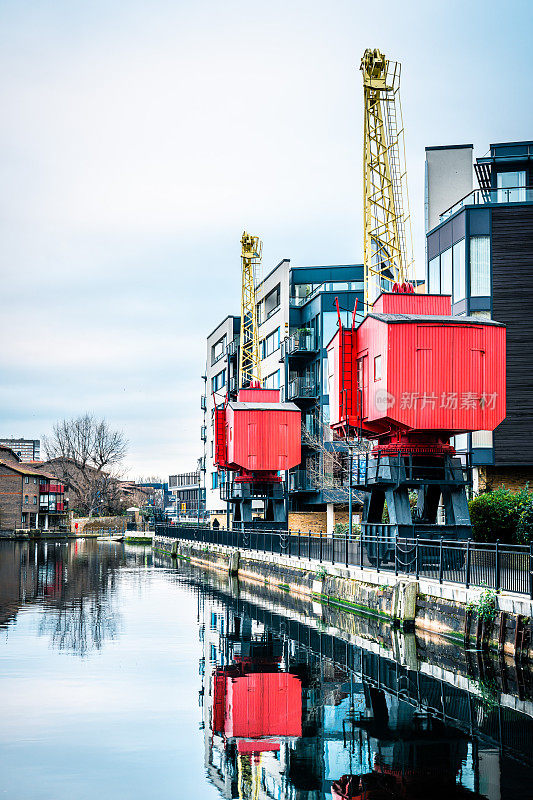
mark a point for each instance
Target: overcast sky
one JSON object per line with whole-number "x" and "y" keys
{"x": 139, "y": 139}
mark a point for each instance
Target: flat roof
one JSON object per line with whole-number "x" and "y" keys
{"x": 451, "y": 147}
{"x": 229, "y": 316}
{"x": 441, "y": 319}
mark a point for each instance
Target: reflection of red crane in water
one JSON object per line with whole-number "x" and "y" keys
{"x": 253, "y": 702}
{"x": 255, "y": 706}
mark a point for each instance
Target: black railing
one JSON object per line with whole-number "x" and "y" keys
{"x": 301, "y": 388}
{"x": 301, "y": 481}
{"x": 504, "y": 567}
{"x": 302, "y": 343}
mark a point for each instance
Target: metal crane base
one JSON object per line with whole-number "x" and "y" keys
{"x": 391, "y": 479}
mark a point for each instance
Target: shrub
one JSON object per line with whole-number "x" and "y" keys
{"x": 496, "y": 514}
{"x": 524, "y": 533}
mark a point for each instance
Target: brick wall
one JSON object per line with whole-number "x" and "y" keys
{"x": 10, "y": 498}
{"x": 96, "y": 523}
{"x": 513, "y": 478}
{"x": 341, "y": 516}
{"x": 314, "y": 521}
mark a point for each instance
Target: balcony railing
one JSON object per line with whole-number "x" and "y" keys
{"x": 300, "y": 343}
{"x": 55, "y": 508}
{"x": 203, "y": 403}
{"x": 203, "y": 433}
{"x": 328, "y": 286}
{"x": 301, "y": 481}
{"x": 51, "y": 488}
{"x": 301, "y": 389}
{"x": 233, "y": 348}
{"x": 480, "y": 197}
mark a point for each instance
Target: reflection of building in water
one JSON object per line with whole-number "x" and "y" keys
{"x": 281, "y": 722}
{"x": 74, "y": 580}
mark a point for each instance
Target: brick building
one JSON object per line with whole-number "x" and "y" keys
{"x": 29, "y": 496}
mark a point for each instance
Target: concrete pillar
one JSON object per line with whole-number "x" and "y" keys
{"x": 46, "y": 522}
{"x": 330, "y": 519}
{"x": 37, "y": 522}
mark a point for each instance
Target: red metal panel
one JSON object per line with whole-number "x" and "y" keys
{"x": 392, "y": 303}
{"x": 219, "y": 700}
{"x": 335, "y": 380}
{"x": 258, "y": 396}
{"x": 264, "y": 704}
{"x": 451, "y": 377}
{"x": 221, "y": 455}
{"x": 264, "y": 439}
{"x": 419, "y": 374}
{"x": 262, "y": 746}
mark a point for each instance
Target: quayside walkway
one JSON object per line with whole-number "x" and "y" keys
{"x": 479, "y": 594}
{"x": 504, "y": 568}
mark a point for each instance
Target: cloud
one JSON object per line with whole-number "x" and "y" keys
{"x": 138, "y": 141}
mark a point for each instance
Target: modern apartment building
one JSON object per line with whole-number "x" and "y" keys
{"x": 480, "y": 250}
{"x": 188, "y": 496}
{"x": 297, "y": 317}
{"x": 26, "y": 449}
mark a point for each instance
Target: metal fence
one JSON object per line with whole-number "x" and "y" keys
{"x": 498, "y": 566}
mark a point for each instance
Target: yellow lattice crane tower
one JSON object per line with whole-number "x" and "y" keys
{"x": 249, "y": 362}
{"x": 387, "y": 224}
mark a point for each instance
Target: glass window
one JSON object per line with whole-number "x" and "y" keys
{"x": 272, "y": 381}
{"x": 446, "y": 278}
{"x": 377, "y": 368}
{"x": 270, "y": 343}
{"x": 434, "y": 275}
{"x": 272, "y": 301}
{"x": 214, "y": 480}
{"x": 218, "y": 380}
{"x": 218, "y": 349}
{"x": 26, "y": 498}
{"x": 480, "y": 266}
{"x": 34, "y": 500}
{"x": 329, "y": 326}
{"x": 26, "y": 479}
{"x": 459, "y": 279}
{"x": 511, "y": 187}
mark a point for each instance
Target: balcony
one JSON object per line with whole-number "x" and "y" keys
{"x": 203, "y": 433}
{"x": 481, "y": 197}
{"x": 301, "y": 343}
{"x": 51, "y": 488}
{"x": 301, "y": 389}
{"x": 300, "y": 481}
{"x": 328, "y": 286}
{"x": 203, "y": 403}
{"x": 232, "y": 350}
{"x": 51, "y": 507}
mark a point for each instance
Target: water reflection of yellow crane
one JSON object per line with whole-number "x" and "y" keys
{"x": 248, "y": 775}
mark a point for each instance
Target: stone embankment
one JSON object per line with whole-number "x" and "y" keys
{"x": 446, "y": 609}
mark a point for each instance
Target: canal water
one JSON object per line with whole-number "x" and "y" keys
{"x": 126, "y": 675}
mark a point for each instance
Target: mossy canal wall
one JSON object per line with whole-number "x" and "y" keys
{"x": 446, "y": 609}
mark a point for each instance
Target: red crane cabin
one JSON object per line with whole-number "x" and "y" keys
{"x": 411, "y": 366}
{"x": 258, "y": 433}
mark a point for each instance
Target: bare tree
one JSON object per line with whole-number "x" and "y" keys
{"x": 327, "y": 467}
{"x": 87, "y": 455}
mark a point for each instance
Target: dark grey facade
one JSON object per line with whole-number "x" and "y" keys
{"x": 481, "y": 253}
